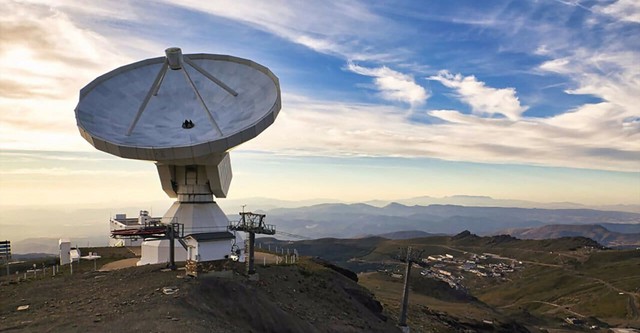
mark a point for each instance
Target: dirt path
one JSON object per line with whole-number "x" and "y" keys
{"x": 262, "y": 258}
{"x": 632, "y": 306}
{"x": 124, "y": 263}
{"x": 564, "y": 308}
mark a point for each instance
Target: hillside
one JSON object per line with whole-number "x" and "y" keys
{"x": 405, "y": 234}
{"x": 311, "y": 296}
{"x": 307, "y": 297}
{"x": 538, "y": 283}
{"x": 512, "y": 285}
{"x": 598, "y": 233}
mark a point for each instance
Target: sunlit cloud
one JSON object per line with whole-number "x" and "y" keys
{"x": 331, "y": 27}
{"x": 612, "y": 75}
{"x": 624, "y": 10}
{"x": 393, "y": 85}
{"x": 39, "y": 156}
{"x": 71, "y": 172}
{"x": 327, "y": 128}
{"x": 483, "y": 100}
{"x": 39, "y": 47}
{"x": 46, "y": 56}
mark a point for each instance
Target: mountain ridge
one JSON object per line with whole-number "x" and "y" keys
{"x": 350, "y": 220}
{"x": 596, "y": 232}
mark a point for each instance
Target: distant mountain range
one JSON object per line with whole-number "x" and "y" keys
{"x": 316, "y": 218}
{"x": 598, "y": 233}
{"x": 231, "y": 205}
{"x": 407, "y": 234}
{"x": 351, "y": 220}
{"x": 50, "y": 245}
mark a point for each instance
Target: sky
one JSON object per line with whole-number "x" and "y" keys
{"x": 530, "y": 100}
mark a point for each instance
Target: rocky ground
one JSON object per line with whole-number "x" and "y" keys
{"x": 307, "y": 297}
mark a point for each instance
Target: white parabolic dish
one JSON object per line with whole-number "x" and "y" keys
{"x": 138, "y": 111}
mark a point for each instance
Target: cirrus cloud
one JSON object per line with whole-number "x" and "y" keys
{"x": 393, "y": 85}
{"x": 483, "y": 100}
{"x": 330, "y": 128}
{"x": 624, "y": 10}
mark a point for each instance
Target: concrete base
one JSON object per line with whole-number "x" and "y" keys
{"x": 157, "y": 252}
{"x": 197, "y": 218}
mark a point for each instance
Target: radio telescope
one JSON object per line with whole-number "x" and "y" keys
{"x": 183, "y": 111}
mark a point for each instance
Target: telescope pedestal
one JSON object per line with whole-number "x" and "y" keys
{"x": 194, "y": 183}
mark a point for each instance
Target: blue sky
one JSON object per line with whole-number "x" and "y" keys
{"x": 533, "y": 100}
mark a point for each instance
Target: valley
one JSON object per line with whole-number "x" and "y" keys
{"x": 544, "y": 284}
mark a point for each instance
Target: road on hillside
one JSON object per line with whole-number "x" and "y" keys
{"x": 564, "y": 308}
{"x": 632, "y": 305}
{"x": 500, "y": 257}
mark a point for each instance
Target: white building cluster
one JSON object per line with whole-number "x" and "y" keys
{"x": 452, "y": 270}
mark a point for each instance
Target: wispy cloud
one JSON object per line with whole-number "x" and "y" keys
{"x": 623, "y": 10}
{"x": 46, "y": 56}
{"x": 331, "y": 27}
{"x": 393, "y": 85}
{"x": 483, "y": 100}
{"x": 613, "y": 75}
{"x": 40, "y": 156}
{"x": 310, "y": 127}
{"x": 71, "y": 172}
{"x": 40, "y": 45}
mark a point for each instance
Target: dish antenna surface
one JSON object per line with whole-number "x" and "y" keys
{"x": 184, "y": 111}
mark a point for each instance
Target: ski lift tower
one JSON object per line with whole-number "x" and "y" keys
{"x": 252, "y": 224}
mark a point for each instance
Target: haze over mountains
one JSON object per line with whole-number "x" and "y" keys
{"x": 31, "y": 228}
{"x": 461, "y": 200}
{"x": 598, "y": 233}
{"x": 342, "y": 220}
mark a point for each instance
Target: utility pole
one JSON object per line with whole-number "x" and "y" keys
{"x": 410, "y": 258}
{"x": 175, "y": 232}
{"x": 405, "y": 294}
{"x": 252, "y": 241}
{"x": 172, "y": 249}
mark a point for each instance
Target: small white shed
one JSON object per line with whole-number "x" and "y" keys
{"x": 156, "y": 251}
{"x": 210, "y": 246}
{"x": 64, "y": 246}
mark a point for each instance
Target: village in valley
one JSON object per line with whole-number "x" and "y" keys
{"x": 455, "y": 269}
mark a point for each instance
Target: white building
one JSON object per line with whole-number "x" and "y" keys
{"x": 154, "y": 251}
{"x": 121, "y": 221}
{"x": 210, "y": 246}
{"x": 201, "y": 247}
{"x": 64, "y": 253}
